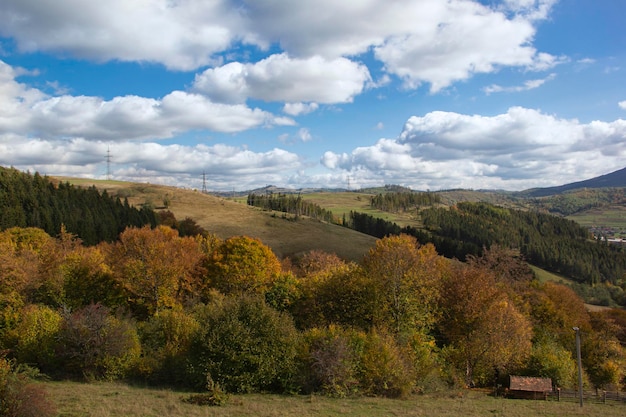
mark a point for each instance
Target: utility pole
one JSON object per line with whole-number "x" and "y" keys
{"x": 204, "y": 190}
{"x": 580, "y": 369}
{"x": 108, "y": 159}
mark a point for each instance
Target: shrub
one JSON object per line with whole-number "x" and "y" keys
{"x": 386, "y": 370}
{"x": 19, "y": 397}
{"x": 165, "y": 341}
{"x": 36, "y": 336}
{"x": 332, "y": 360}
{"x": 244, "y": 346}
{"x": 214, "y": 397}
{"x": 94, "y": 344}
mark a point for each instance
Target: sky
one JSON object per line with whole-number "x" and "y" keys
{"x": 240, "y": 94}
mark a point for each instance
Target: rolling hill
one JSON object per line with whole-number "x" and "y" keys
{"x": 613, "y": 179}
{"x": 226, "y": 218}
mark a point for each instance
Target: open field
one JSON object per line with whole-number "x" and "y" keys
{"x": 113, "y": 399}
{"x": 343, "y": 203}
{"x": 609, "y": 217}
{"x": 227, "y": 218}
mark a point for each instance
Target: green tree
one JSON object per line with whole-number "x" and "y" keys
{"x": 244, "y": 346}
{"x": 89, "y": 279}
{"x": 165, "y": 341}
{"x": 36, "y": 335}
{"x": 549, "y": 359}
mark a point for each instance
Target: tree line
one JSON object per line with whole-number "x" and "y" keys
{"x": 403, "y": 201}
{"x": 201, "y": 312}
{"x": 34, "y": 201}
{"x": 291, "y": 204}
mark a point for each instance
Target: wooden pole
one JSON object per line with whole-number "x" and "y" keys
{"x": 580, "y": 369}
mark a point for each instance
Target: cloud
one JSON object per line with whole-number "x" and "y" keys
{"x": 528, "y": 85}
{"x": 29, "y": 111}
{"x": 296, "y": 109}
{"x": 430, "y": 41}
{"x": 427, "y": 41}
{"x": 304, "y": 135}
{"x": 282, "y": 78}
{"x": 149, "y": 161}
{"x": 180, "y": 35}
{"x": 514, "y": 150}
{"x": 458, "y": 40}
{"x": 622, "y": 104}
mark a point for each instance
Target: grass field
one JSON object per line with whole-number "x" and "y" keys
{"x": 227, "y": 218}
{"x": 343, "y": 203}
{"x": 612, "y": 216}
{"x": 112, "y": 400}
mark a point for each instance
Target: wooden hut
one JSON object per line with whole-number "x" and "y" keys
{"x": 529, "y": 387}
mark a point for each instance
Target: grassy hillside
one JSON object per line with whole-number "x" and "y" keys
{"x": 226, "y": 218}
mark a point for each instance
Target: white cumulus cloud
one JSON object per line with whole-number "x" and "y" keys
{"x": 514, "y": 150}
{"x": 29, "y": 111}
{"x": 282, "y": 78}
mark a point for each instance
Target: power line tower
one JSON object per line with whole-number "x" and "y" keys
{"x": 108, "y": 159}
{"x": 204, "y": 190}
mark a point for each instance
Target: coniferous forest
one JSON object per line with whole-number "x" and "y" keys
{"x": 35, "y": 201}
{"x": 550, "y": 242}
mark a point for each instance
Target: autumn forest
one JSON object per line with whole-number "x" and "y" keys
{"x": 120, "y": 293}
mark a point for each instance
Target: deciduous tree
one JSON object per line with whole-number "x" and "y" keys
{"x": 486, "y": 330}
{"x": 406, "y": 278}
{"x": 156, "y": 267}
{"x": 242, "y": 265}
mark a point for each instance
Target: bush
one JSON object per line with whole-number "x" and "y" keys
{"x": 165, "y": 341}
{"x": 19, "y": 397}
{"x": 214, "y": 397}
{"x": 95, "y": 345}
{"x": 244, "y": 346}
{"x": 332, "y": 361}
{"x": 36, "y": 336}
{"x": 386, "y": 370}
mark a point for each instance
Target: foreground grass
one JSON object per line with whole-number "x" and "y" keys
{"x": 111, "y": 399}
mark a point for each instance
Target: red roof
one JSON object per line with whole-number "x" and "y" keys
{"x": 530, "y": 383}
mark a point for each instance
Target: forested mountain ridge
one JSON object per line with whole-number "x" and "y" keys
{"x": 34, "y": 201}
{"x": 616, "y": 179}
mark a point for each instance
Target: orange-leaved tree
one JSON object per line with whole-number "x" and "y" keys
{"x": 156, "y": 267}
{"x": 485, "y": 331}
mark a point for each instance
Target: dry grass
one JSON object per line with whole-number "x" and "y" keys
{"x": 227, "y": 218}
{"x": 112, "y": 400}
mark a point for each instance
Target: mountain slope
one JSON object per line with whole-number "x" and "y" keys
{"x": 613, "y": 179}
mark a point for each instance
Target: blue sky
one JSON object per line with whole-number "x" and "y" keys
{"x": 429, "y": 94}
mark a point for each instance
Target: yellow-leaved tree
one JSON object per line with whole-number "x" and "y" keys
{"x": 241, "y": 265}
{"x": 406, "y": 278}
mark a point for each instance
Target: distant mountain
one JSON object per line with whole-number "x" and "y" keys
{"x": 614, "y": 179}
